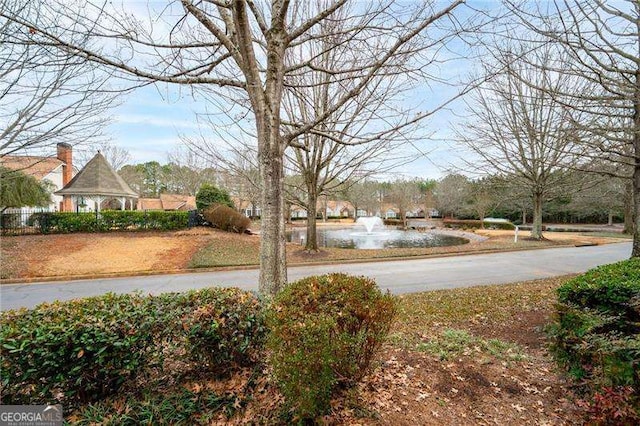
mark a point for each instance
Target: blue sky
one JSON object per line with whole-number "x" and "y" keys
{"x": 151, "y": 121}
{"x": 150, "y": 124}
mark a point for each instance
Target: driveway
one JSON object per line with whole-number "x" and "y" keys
{"x": 402, "y": 276}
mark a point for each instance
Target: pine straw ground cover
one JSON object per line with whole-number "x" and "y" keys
{"x": 466, "y": 356}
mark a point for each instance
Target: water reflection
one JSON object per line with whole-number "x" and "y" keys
{"x": 355, "y": 238}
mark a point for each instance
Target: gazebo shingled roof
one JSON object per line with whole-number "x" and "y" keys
{"x": 97, "y": 178}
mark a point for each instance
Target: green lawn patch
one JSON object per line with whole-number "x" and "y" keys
{"x": 227, "y": 252}
{"x": 608, "y": 235}
{"x": 453, "y": 343}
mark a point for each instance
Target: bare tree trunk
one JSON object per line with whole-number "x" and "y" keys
{"x": 610, "y": 218}
{"x": 273, "y": 270}
{"x": 635, "y": 199}
{"x": 628, "y": 208}
{"x": 524, "y": 216}
{"x": 635, "y": 251}
{"x": 312, "y": 211}
{"x": 324, "y": 210}
{"x": 536, "y": 227}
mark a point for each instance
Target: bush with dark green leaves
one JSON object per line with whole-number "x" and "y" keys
{"x": 597, "y": 330}
{"x": 108, "y": 220}
{"x": 226, "y": 218}
{"x": 610, "y": 289}
{"x": 324, "y": 333}
{"x": 9, "y": 220}
{"x": 227, "y": 332}
{"x": 209, "y": 194}
{"x": 66, "y": 222}
{"x": 84, "y": 350}
{"x": 73, "y": 351}
{"x": 476, "y": 224}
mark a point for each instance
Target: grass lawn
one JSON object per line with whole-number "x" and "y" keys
{"x": 608, "y": 235}
{"x": 464, "y": 356}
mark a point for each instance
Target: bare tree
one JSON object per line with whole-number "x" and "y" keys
{"x": 115, "y": 155}
{"x": 427, "y": 188}
{"x": 483, "y": 197}
{"x": 404, "y": 194}
{"x": 602, "y": 41}
{"x": 602, "y": 196}
{"x": 518, "y": 129}
{"x": 362, "y": 194}
{"x": 244, "y": 179}
{"x": 46, "y": 95}
{"x": 357, "y": 139}
{"x": 452, "y": 194}
{"x": 238, "y": 49}
{"x": 187, "y": 171}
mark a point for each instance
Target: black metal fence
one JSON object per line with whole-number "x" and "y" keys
{"x": 25, "y": 223}
{"x": 19, "y": 223}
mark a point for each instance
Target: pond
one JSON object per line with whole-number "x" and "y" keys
{"x": 358, "y": 238}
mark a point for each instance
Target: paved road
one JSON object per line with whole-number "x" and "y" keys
{"x": 403, "y": 276}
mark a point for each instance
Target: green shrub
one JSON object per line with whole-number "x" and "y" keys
{"x": 179, "y": 407}
{"x": 608, "y": 288}
{"x": 83, "y": 350}
{"x": 66, "y": 222}
{"x": 73, "y": 351}
{"x": 166, "y": 221}
{"x": 208, "y": 195}
{"x": 123, "y": 219}
{"x": 226, "y": 332}
{"x": 324, "y": 333}
{"x": 226, "y": 218}
{"x": 9, "y": 220}
{"x": 597, "y": 329}
{"x": 476, "y": 224}
{"x": 108, "y": 220}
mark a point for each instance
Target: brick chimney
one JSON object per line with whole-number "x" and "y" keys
{"x": 65, "y": 155}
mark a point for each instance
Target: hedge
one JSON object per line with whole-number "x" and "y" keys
{"x": 476, "y": 224}
{"x": 596, "y": 334}
{"x": 84, "y": 350}
{"x": 324, "y": 333}
{"x": 108, "y": 220}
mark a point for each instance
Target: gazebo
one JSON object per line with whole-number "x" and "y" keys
{"x": 97, "y": 181}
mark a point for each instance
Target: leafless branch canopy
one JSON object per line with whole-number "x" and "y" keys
{"x": 46, "y": 95}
